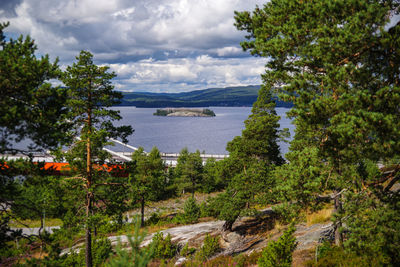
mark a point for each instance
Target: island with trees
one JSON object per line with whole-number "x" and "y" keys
{"x": 184, "y": 112}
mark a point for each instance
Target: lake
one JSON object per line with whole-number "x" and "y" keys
{"x": 207, "y": 134}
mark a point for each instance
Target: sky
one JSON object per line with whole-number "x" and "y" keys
{"x": 152, "y": 45}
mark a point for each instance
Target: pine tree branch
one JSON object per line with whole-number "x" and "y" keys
{"x": 347, "y": 59}
{"x": 119, "y": 184}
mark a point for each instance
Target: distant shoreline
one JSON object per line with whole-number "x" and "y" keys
{"x": 240, "y": 96}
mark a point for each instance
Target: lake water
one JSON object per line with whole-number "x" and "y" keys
{"x": 208, "y": 134}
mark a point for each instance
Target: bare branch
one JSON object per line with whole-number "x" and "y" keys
{"x": 391, "y": 183}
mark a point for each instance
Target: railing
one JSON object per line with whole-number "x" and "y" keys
{"x": 169, "y": 158}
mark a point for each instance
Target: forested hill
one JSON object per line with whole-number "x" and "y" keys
{"x": 229, "y": 96}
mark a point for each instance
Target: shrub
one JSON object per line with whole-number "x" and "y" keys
{"x": 137, "y": 257}
{"x": 154, "y": 219}
{"x": 191, "y": 211}
{"x": 186, "y": 251}
{"x": 163, "y": 247}
{"x": 205, "y": 210}
{"x": 279, "y": 253}
{"x": 331, "y": 255}
{"x": 209, "y": 248}
{"x": 101, "y": 250}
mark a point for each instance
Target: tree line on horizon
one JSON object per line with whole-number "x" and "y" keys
{"x": 337, "y": 62}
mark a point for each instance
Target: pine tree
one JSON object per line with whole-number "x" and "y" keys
{"x": 253, "y": 156}
{"x": 279, "y": 253}
{"x": 338, "y": 62}
{"x": 147, "y": 177}
{"x": 189, "y": 170}
{"x": 30, "y": 106}
{"x": 90, "y": 93}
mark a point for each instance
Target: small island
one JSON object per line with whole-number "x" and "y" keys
{"x": 184, "y": 112}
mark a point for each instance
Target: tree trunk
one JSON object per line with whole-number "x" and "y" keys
{"x": 94, "y": 226}
{"x": 338, "y": 224}
{"x": 142, "y": 212}
{"x": 88, "y": 233}
{"x": 89, "y": 195}
{"x": 193, "y": 185}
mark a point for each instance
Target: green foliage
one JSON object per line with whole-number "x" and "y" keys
{"x": 228, "y": 206}
{"x": 287, "y": 212}
{"x": 205, "y": 209}
{"x": 191, "y": 211}
{"x": 187, "y": 251}
{"x": 136, "y": 257}
{"x": 241, "y": 260}
{"x": 253, "y": 156}
{"x": 189, "y": 171}
{"x": 377, "y": 237}
{"x": 41, "y": 196}
{"x": 330, "y": 255}
{"x": 101, "y": 250}
{"x": 90, "y": 94}
{"x": 338, "y": 61}
{"x": 153, "y": 219}
{"x": 147, "y": 177}
{"x": 209, "y": 248}
{"x": 213, "y": 176}
{"x": 30, "y": 106}
{"x": 279, "y": 253}
{"x": 161, "y": 112}
{"x": 300, "y": 182}
{"x": 163, "y": 247}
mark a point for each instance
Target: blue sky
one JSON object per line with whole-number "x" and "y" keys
{"x": 152, "y": 45}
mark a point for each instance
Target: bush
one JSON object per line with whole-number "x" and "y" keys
{"x": 137, "y": 257}
{"x": 101, "y": 250}
{"x": 279, "y": 253}
{"x": 186, "y": 251}
{"x": 205, "y": 210}
{"x": 163, "y": 247}
{"x": 330, "y": 255}
{"x": 209, "y": 248}
{"x": 154, "y": 219}
{"x": 191, "y": 211}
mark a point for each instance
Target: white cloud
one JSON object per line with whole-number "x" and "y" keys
{"x": 187, "y": 74}
{"x": 228, "y": 51}
{"x": 184, "y": 39}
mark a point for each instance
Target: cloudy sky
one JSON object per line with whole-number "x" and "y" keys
{"x": 152, "y": 45}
